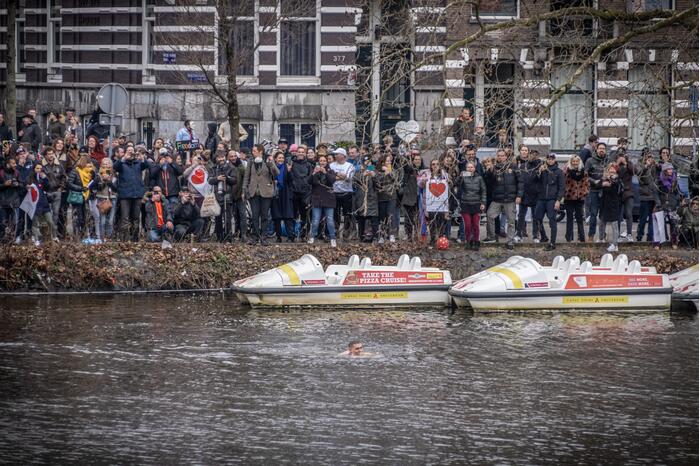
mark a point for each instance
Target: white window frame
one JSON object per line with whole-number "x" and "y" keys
{"x": 632, "y": 122}
{"x": 492, "y": 17}
{"x": 314, "y": 80}
{"x": 54, "y": 72}
{"x": 244, "y": 79}
{"x": 590, "y": 93}
{"x": 297, "y": 130}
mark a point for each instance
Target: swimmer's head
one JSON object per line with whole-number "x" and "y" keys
{"x": 355, "y": 348}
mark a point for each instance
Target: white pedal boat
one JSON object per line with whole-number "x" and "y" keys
{"x": 685, "y": 285}
{"x": 305, "y": 283}
{"x": 521, "y": 283}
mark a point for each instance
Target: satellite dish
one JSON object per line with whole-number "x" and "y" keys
{"x": 112, "y": 98}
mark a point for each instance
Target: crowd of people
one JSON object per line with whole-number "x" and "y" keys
{"x": 54, "y": 188}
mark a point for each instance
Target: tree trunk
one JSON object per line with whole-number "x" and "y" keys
{"x": 11, "y": 73}
{"x": 227, "y": 23}
{"x": 234, "y": 119}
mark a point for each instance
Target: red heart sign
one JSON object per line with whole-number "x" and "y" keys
{"x": 437, "y": 189}
{"x": 35, "y": 194}
{"x": 198, "y": 176}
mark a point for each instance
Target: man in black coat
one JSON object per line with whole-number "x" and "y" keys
{"x": 31, "y": 133}
{"x": 527, "y": 165}
{"x": 507, "y": 191}
{"x": 186, "y": 216}
{"x": 301, "y": 174}
{"x": 5, "y": 130}
{"x": 223, "y": 179}
{"x": 551, "y": 193}
{"x": 165, "y": 174}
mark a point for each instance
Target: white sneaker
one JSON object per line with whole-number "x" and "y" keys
{"x": 598, "y": 240}
{"x": 392, "y": 239}
{"x": 458, "y": 240}
{"x": 612, "y": 248}
{"x": 334, "y": 244}
{"x": 536, "y": 240}
{"x": 517, "y": 239}
{"x": 630, "y": 238}
{"x": 37, "y": 242}
{"x": 381, "y": 241}
{"x": 166, "y": 244}
{"x": 311, "y": 241}
{"x": 18, "y": 240}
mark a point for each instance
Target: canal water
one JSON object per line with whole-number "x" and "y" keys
{"x": 164, "y": 379}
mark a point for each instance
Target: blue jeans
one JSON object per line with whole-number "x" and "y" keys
{"x": 157, "y": 234}
{"x": 316, "y": 213}
{"x": 646, "y": 208}
{"x": 593, "y": 209}
{"x": 106, "y": 227}
{"x": 547, "y": 206}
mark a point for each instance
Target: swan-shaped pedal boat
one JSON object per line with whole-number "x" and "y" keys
{"x": 521, "y": 283}
{"x": 685, "y": 285}
{"x": 304, "y": 282}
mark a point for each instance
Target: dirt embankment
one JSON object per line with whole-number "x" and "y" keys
{"x": 128, "y": 266}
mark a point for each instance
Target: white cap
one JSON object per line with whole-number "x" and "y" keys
{"x": 340, "y": 151}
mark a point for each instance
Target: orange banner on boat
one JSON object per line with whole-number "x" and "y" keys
{"x": 581, "y": 282}
{"x": 372, "y": 277}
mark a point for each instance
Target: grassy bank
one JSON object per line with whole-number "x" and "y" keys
{"x": 128, "y": 266}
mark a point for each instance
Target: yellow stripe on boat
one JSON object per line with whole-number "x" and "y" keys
{"x": 510, "y": 274}
{"x": 291, "y": 273}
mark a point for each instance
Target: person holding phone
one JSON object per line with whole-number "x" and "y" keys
{"x": 323, "y": 200}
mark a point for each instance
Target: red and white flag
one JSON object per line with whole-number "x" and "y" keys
{"x": 199, "y": 178}
{"x": 30, "y": 200}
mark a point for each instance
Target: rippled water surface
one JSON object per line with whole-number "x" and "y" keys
{"x": 175, "y": 379}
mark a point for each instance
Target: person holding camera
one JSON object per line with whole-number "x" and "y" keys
{"x": 159, "y": 219}
{"x": 240, "y": 214}
{"x": 222, "y": 178}
{"x": 648, "y": 195}
{"x": 595, "y": 169}
{"x": 165, "y": 174}
{"x": 259, "y": 189}
{"x": 186, "y": 218}
{"x": 575, "y": 191}
{"x": 610, "y": 205}
{"x": 388, "y": 182}
{"x": 42, "y": 212}
{"x": 106, "y": 199}
{"x": 322, "y": 199}
{"x": 130, "y": 189}
{"x": 80, "y": 183}
{"x": 625, "y": 170}
{"x": 9, "y": 196}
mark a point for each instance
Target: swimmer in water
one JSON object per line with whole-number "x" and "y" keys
{"x": 356, "y": 350}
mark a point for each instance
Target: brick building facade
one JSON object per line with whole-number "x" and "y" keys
{"x": 337, "y": 69}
